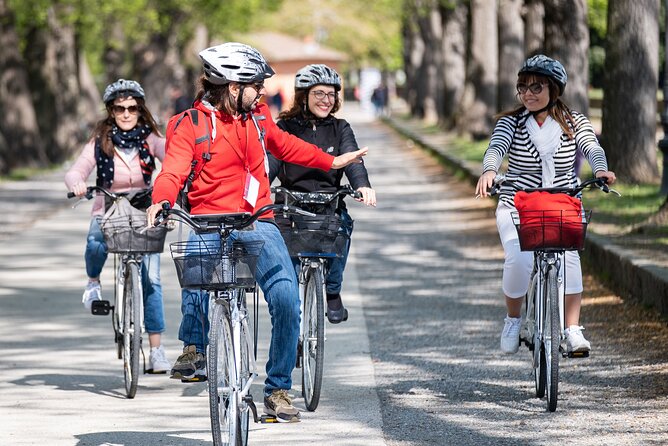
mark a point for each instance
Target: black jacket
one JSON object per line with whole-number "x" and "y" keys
{"x": 333, "y": 136}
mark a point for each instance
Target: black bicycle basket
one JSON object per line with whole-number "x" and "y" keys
{"x": 319, "y": 235}
{"x": 201, "y": 264}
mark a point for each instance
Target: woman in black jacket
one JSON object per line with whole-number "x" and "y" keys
{"x": 311, "y": 118}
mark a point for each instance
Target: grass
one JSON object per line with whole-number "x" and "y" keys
{"x": 25, "y": 173}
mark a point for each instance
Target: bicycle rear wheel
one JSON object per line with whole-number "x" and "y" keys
{"x": 313, "y": 339}
{"x": 221, "y": 377}
{"x": 132, "y": 295}
{"x": 553, "y": 328}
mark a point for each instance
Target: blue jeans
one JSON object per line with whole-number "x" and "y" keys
{"x": 96, "y": 255}
{"x": 276, "y": 278}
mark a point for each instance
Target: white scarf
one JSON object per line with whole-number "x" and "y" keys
{"x": 547, "y": 139}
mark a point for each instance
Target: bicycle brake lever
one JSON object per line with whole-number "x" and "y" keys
{"x": 614, "y": 192}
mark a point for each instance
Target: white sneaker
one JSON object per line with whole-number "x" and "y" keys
{"x": 510, "y": 337}
{"x": 575, "y": 340}
{"x": 157, "y": 362}
{"x": 91, "y": 293}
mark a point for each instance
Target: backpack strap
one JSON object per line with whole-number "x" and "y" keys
{"x": 260, "y": 135}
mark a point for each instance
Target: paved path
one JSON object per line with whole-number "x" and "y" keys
{"x": 417, "y": 363}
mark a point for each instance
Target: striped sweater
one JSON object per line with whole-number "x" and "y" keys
{"x": 510, "y": 136}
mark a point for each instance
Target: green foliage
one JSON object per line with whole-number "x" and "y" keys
{"x": 369, "y": 32}
{"x": 597, "y": 14}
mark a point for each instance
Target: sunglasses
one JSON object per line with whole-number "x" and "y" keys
{"x": 320, "y": 95}
{"x": 120, "y": 109}
{"x": 258, "y": 86}
{"x": 534, "y": 88}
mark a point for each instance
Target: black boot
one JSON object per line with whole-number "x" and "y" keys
{"x": 336, "y": 312}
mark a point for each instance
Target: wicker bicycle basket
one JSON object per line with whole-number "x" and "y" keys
{"x": 551, "y": 229}
{"x": 313, "y": 236}
{"x": 200, "y": 264}
{"x": 128, "y": 234}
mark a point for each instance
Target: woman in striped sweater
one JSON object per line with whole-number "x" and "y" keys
{"x": 540, "y": 138}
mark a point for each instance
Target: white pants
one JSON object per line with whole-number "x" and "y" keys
{"x": 518, "y": 264}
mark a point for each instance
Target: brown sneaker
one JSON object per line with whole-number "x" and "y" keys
{"x": 190, "y": 366}
{"x": 280, "y": 405}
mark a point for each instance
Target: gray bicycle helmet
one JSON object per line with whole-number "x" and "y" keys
{"x": 234, "y": 62}
{"x": 122, "y": 88}
{"x": 543, "y": 65}
{"x": 317, "y": 74}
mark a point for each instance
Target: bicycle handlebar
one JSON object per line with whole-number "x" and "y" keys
{"x": 89, "y": 193}
{"x": 317, "y": 196}
{"x": 224, "y": 222}
{"x": 600, "y": 183}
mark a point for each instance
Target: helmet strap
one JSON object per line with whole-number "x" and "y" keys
{"x": 547, "y": 107}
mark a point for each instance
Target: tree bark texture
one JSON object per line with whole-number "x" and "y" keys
{"x": 454, "y": 59}
{"x": 534, "y": 28}
{"x": 629, "y": 104}
{"x": 20, "y": 142}
{"x": 511, "y": 50}
{"x": 479, "y": 101}
{"x": 414, "y": 49}
{"x": 567, "y": 40}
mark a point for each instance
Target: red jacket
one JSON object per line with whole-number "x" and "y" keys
{"x": 235, "y": 151}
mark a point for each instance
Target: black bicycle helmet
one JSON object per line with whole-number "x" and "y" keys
{"x": 317, "y": 74}
{"x": 543, "y": 65}
{"x": 122, "y": 88}
{"x": 234, "y": 62}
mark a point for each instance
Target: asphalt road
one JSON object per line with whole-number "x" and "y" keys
{"x": 417, "y": 362}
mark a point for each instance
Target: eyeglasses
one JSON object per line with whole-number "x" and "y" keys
{"x": 120, "y": 109}
{"x": 320, "y": 95}
{"x": 257, "y": 86}
{"x": 534, "y": 88}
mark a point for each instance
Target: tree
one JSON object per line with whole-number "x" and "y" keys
{"x": 480, "y": 95}
{"x": 455, "y": 16}
{"x": 631, "y": 79}
{"x": 567, "y": 40}
{"x": 20, "y": 143}
{"x": 511, "y": 50}
{"x": 534, "y": 28}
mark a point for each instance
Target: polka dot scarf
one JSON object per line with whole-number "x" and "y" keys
{"x": 127, "y": 141}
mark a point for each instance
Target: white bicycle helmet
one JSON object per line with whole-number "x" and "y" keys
{"x": 317, "y": 74}
{"x": 122, "y": 88}
{"x": 234, "y": 62}
{"x": 543, "y": 65}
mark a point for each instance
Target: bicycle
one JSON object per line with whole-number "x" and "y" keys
{"x": 313, "y": 240}
{"x": 128, "y": 238}
{"x": 549, "y": 234}
{"x": 225, "y": 268}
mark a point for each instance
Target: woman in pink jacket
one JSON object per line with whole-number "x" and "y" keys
{"x": 122, "y": 151}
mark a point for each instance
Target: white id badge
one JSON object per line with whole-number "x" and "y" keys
{"x": 251, "y": 190}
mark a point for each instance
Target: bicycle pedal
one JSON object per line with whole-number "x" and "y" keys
{"x": 159, "y": 372}
{"x": 268, "y": 419}
{"x": 577, "y": 354}
{"x": 100, "y": 307}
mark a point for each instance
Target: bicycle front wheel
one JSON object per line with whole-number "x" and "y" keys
{"x": 221, "y": 378}
{"x": 313, "y": 339}
{"x": 538, "y": 351}
{"x": 245, "y": 352}
{"x": 132, "y": 296}
{"x": 553, "y": 328}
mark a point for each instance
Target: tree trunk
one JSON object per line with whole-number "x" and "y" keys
{"x": 480, "y": 95}
{"x": 629, "y": 103}
{"x": 534, "y": 28}
{"x": 414, "y": 49}
{"x": 20, "y": 144}
{"x": 454, "y": 60}
{"x": 511, "y": 50}
{"x": 566, "y": 21}
{"x": 431, "y": 28}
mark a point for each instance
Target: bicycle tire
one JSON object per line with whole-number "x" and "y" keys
{"x": 552, "y": 346}
{"x": 245, "y": 350}
{"x": 117, "y": 315}
{"x": 538, "y": 352}
{"x": 221, "y": 377}
{"x": 132, "y": 295}
{"x": 313, "y": 339}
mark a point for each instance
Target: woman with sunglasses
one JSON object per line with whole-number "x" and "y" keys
{"x": 540, "y": 137}
{"x": 311, "y": 118}
{"x": 122, "y": 151}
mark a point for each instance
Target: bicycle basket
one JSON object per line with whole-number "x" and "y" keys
{"x": 128, "y": 234}
{"x": 200, "y": 264}
{"x": 313, "y": 236}
{"x": 551, "y": 229}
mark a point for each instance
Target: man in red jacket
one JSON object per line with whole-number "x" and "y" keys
{"x": 235, "y": 179}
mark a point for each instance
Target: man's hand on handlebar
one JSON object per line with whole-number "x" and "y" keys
{"x": 153, "y": 211}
